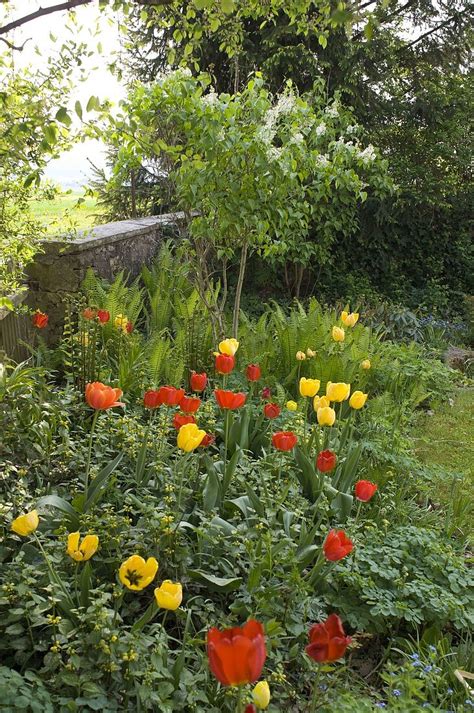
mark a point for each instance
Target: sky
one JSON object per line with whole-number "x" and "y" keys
{"x": 71, "y": 169}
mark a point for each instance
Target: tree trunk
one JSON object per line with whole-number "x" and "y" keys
{"x": 238, "y": 290}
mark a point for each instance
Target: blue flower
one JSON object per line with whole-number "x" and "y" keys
{"x": 381, "y": 705}
{"x": 396, "y": 692}
{"x": 432, "y": 648}
{"x": 414, "y": 656}
{"x": 428, "y": 669}
{"x": 449, "y": 691}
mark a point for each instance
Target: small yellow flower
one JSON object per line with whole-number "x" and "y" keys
{"x": 326, "y": 416}
{"x": 310, "y": 353}
{"x": 338, "y": 334}
{"x": 357, "y": 400}
{"x": 320, "y": 402}
{"x": 136, "y": 574}
{"x": 81, "y": 552}
{"x": 291, "y": 405}
{"x": 301, "y": 356}
{"x": 365, "y": 364}
{"x": 121, "y": 322}
{"x": 24, "y": 525}
{"x": 190, "y": 437}
{"x": 309, "y": 387}
{"x": 229, "y": 346}
{"x": 261, "y": 695}
{"x": 169, "y": 595}
{"x": 338, "y": 391}
{"x": 349, "y": 319}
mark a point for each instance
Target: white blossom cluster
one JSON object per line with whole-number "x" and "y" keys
{"x": 368, "y": 154}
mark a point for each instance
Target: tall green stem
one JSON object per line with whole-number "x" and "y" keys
{"x": 240, "y": 700}
{"x": 89, "y": 454}
{"x": 314, "y": 698}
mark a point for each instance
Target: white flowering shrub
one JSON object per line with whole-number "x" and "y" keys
{"x": 255, "y": 172}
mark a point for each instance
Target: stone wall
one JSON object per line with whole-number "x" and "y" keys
{"x": 57, "y": 272}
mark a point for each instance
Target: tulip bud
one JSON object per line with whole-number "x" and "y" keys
{"x": 261, "y": 695}
{"x": 338, "y": 334}
{"x": 291, "y": 405}
{"x": 310, "y": 353}
{"x": 365, "y": 364}
{"x": 301, "y": 356}
{"x": 253, "y": 372}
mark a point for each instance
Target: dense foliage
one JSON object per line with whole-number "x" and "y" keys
{"x": 239, "y": 523}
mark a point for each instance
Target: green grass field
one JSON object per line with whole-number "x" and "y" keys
{"x": 63, "y": 214}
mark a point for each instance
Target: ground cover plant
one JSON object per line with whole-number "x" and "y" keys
{"x": 161, "y": 489}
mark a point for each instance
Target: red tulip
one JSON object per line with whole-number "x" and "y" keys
{"x": 89, "y": 313}
{"x": 208, "y": 440}
{"x": 326, "y": 461}
{"x": 271, "y": 410}
{"x": 224, "y": 363}
{"x": 190, "y": 404}
{"x": 365, "y": 490}
{"x": 181, "y": 419}
{"x": 170, "y": 396}
{"x": 102, "y": 397}
{"x": 236, "y": 656}
{"x": 284, "y": 440}
{"x": 103, "y": 315}
{"x": 198, "y": 381}
{"x": 230, "y": 400}
{"x": 266, "y": 393}
{"x": 40, "y": 319}
{"x": 129, "y": 328}
{"x": 327, "y": 640}
{"x": 250, "y": 708}
{"x": 253, "y": 372}
{"x": 152, "y": 399}
{"x": 337, "y": 545}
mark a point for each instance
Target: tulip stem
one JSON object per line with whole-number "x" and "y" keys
{"x": 314, "y": 697}
{"x": 54, "y": 576}
{"x": 89, "y": 454}
{"x": 240, "y": 700}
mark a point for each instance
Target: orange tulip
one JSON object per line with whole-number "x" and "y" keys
{"x": 102, "y": 397}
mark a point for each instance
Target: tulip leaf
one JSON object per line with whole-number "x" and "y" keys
{"x": 242, "y": 504}
{"x": 222, "y": 584}
{"x": 60, "y": 504}
{"x": 85, "y": 583}
{"x": 230, "y": 470}
{"x": 149, "y": 614}
{"x": 223, "y": 524}
{"x": 306, "y": 555}
{"x": 211, "y": 492}
{"x": 255, "y": 501}
{"x": 306, "y": 473}
{"x": 100, "y": 481}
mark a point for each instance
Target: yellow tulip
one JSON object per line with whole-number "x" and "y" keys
{"x": 229, "y": 346}
{"x": 25, "y": 524}
{"x": 338, "y": 334}
{"x": 121, "y": 322}
{"x": 169, "y": 595}
{"x": 261, "y": 695}
{"x": 81, "y": 552}
{"x": 190, "y": 437}
{"x": 326, "y": 416}
{"x": 338, "y": 391}
{"x": 320, "y": 402}
{"x": 349, "y": 319}
{"x": 310, "y": 353}
{"x": 366, "y": 364}
{"x": 301, "y": 356}
{"x": 291, "y": 405}
{"x": 137, "y": 574}
{"x": 357, "y": 399}
{"x": 309, "y": 387}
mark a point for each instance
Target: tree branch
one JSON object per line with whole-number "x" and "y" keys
{"x": 433, "y": 29}
{"x": 10, "y": 45}
{"x": 68, "y": 5}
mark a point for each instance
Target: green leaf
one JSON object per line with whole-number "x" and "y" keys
{"x": 221, "y": 584}
{"x": 100, "y": 481}
{"x": 84, "y": 583}
{"x": 228, "y": 6}
{"x": 78, "y": 109}
{"x": 211, "y": 492}
{"x": 60, "y": 504}
{"x": 63, "y": 117}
